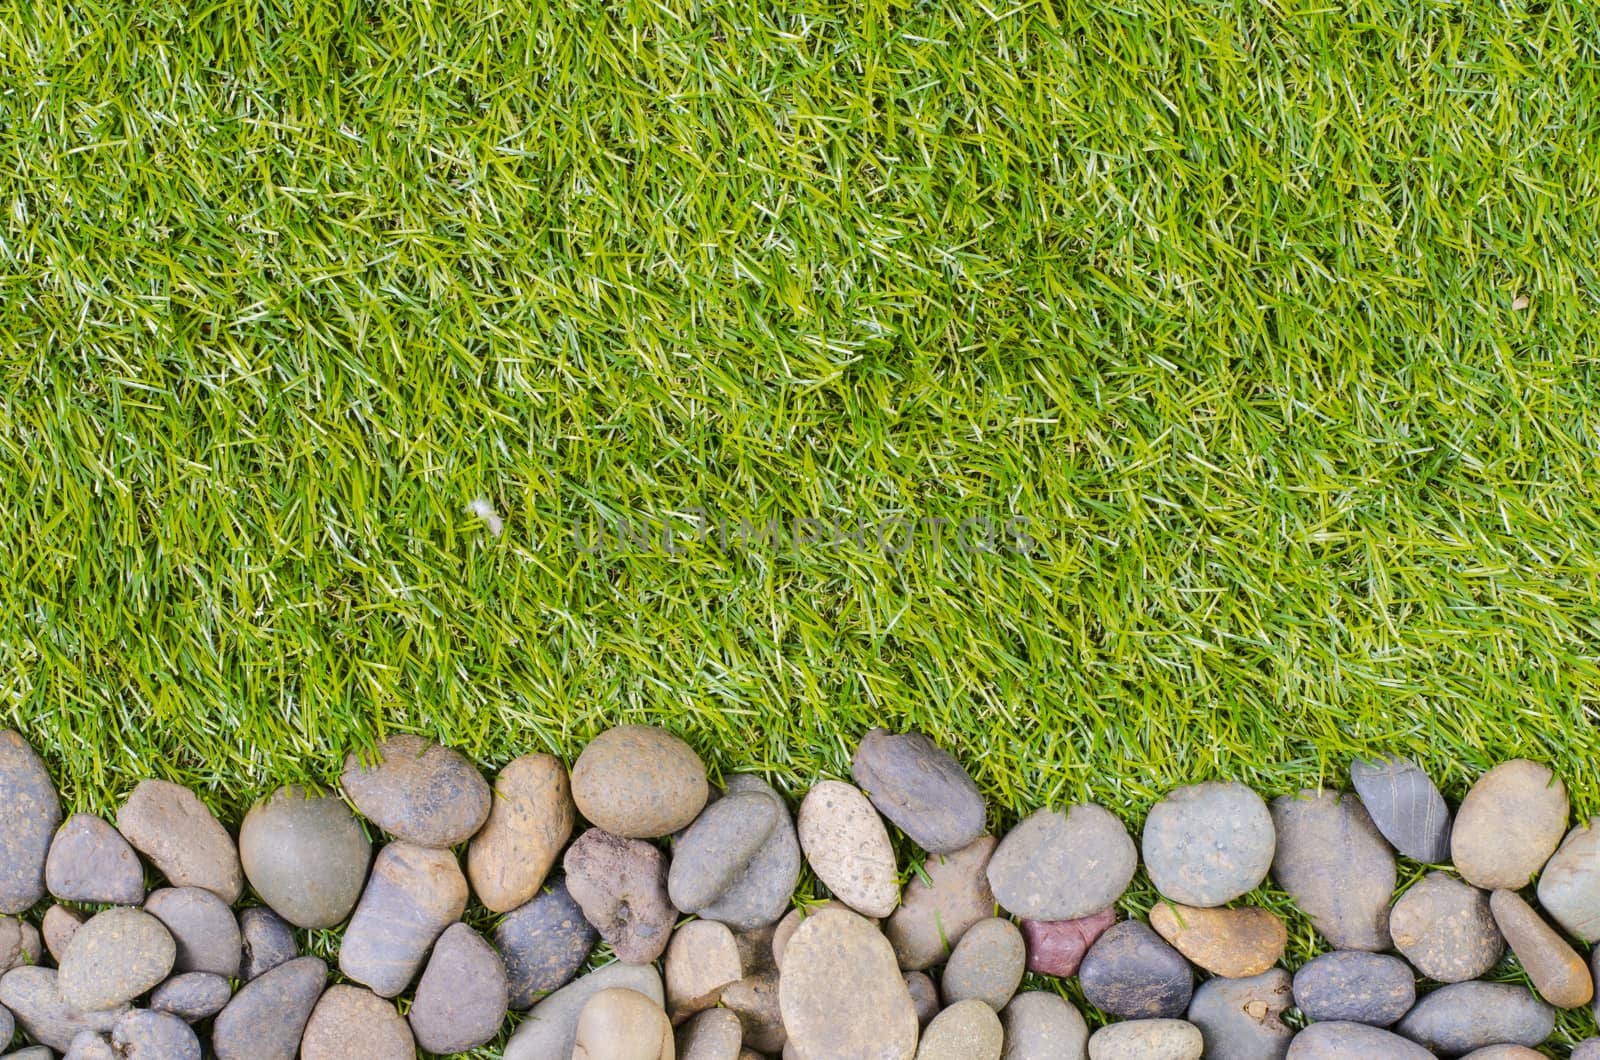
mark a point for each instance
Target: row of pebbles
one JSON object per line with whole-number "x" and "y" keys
{"x": 692, "y": 890}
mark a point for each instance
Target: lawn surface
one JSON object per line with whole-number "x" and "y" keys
{"x": 1276, "y": 323}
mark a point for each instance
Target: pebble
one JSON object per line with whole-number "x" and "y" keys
{"x": 967, "y": 1030}
{"x": 58, "y": 927}
{"x": 32, "y": 1052}
{"x": 1508, "y": 825}
{"x": 168, "y": 824}
{"x": 114, "y": 957}
{"x": 266, "y": 941}
{"x": 921, "y": 788}
{"x": 89, "y": 861}
{"x": 146, "y": 1035}
{"x": 31, "y": 995}
{"x": 1352, "y": 986}
{"x": 841, "y": 993}
{"x": 847, "y": 846}
{"x": 760, "y": 889}
{"x": 551, "y": 1029}
{"x": 639, "y": 782}
{"x": 987, "y": 964}
{"x": 1445, "y": 929}
{"x": 940, "y": 903}
{"x": 461, "y": 998}
{"x": 418, "y": 791}
{"x": 754, "y": 999}
{"x": 1131, "y": 973}
{"x": 1242, "y": 1019}
{"x": 1337, "y": 868}
{"x": 204, "y": 929}
{"x": 268, "y": 1015}
{"x": 1405, "y": 806}
{"x": 1056, "y": 947}
{"x": 30, "y": 812}
{"x": 1235, "y": 943}
{"x": 305, "y": 854}
{"x": 702, "y": 959}
{"x": 1062, "y": 866}
{"x": 1588, "y": 1049}
{"x": 924, "y": 996}
{"x": 1039, "y": 1025}
{"x": 19, "y": 942}
{"x": 1507, "y": 1052}
{"x": 192, "y": 995}
{"x": 1164, "y": 1039}
{"x": 1557, "y": 972}
{"x": 1352, "y": 1041}
{"x": 715, "y": 1034}
{"x": 353, "y": 1023}
{"x": 530, "y": 819}
{"x": 90, "y": 1046}
{"x": 7, "y": 1025}
{"x": 1207, "y": 844}
{"x": 544, "y": 943}
{"x": 621, "y": 886}
{"x": 718, "y": 846}
{"x": 413, "y": 895}
{"x": 1569, "y": 886}
{"x": 619, "y": 1024}
{"x": 1461, "y": 1017}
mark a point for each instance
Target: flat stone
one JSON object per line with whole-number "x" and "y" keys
{"x": 1445, "y": 929}
{"x": 551, "y": 1029}
{"x": 921, "y": 788}
{"x": 1235, "y": 943}
{"x": 1353, "y": 986}
{"x": 847, "y": 846}
{"x": 714, "y": 1034}
{"x": 30, "y": 812}
{"x": 967, "y": 1030}
{"x": 1352, "y": 1041}
{"x": 621, "y": 886}
{"x": 619, "y": 1024}
{"x": 1509, "y": 825}
{"x": 266, "y": 1018}
{"x": 20, "y": 942}
{"x": 987, "y": 964}
{"x": 639, "y": 782}
{"x": 413, "y": 895}
{"x": 305, "y": 854}
{"x": 530, "y": 820}
{"x": 168, "y": 824}
{"x": 702, "y": 959}
{"x": 1337, "y": 868}
{"x": 266, "y": 941}
{"x": 924, "y": 996}
{"x": 1132, "y": 973}
{"x": 461, "y": 1000}
{"x": 146, "y": 1035}
{"x": 31, "y": 995}
{"x": 1062, "y": 866}
{"x": 1569, "y": 886}
{"x": 1147, "y": 1040}
{"x": 89, "y": 861}
{"x": 1041, "y": 1026}
{"x": 1557, "y": 972}
{"x": 717, "y": 847}
{"x": 1461, "y": 1017}
{"x": 943, "y": 900}
{"x": 1056, "y": 947}
{"x": 760, "y": 890}
{"x": 841, "y": 993}
{"x": 59, "y": 925}
{"x": 418, "y": 791}
{"x": 754, "y": 999}
{"x": 544, "y": 943}
{"x": 1242, "y": 1019}
{"x": 353, "y": 1023}
{"x": 202, "y": 926}
{"x": 114, "y": 957}
{"x": 1405, "y": 806}
{"x": 1207, "y": 844}
{"x": 192, "y": 996}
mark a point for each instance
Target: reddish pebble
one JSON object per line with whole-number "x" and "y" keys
{"x": 1055, "y": 947}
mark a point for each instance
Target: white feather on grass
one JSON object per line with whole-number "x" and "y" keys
{"x": 485, "y": 511}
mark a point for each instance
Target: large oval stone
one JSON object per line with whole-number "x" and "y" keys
{"x": 1334, "y": 864}
{"x": 418, "y": 791}
{"x": 758, "y": 891}
{"x": 1131, "y": 973}
{"x": 1569, "y": 886}
{"x": 30, "y": 812}
{"x": 1404, "y": 804}
{"x": 1061, "y": 866}
{"x": 1461, "y": 1017}
{"x": 841, "y": 993}
{"x": 967, "y": 1030}
{"x": 530, "y": 820}
{"x": 639, "y": 782}
{"x": 1147, "y": 1040}
{"x": 1207, "y": 844}
{"x": 266, "y": 1018}
{"x": 89, "y": 861}
{"x": 353, "y": 1023}
{"x": 1236, "y": 943}
{"x": 1445, "y": 929}
{"x": 847, "y": 846}
{"x": 941, "y": 902}
{"x": 202, "y": 926}
{"x": 168, "y": 824}
{"x": 1555, "y": 969}
{"x": 1352, "y": 1041}
{"x": 461, "y": 1000}
{"x": 414, "y": 894}
{"x": 544, "y": 943}
{"x": 551, "y": 1029}
{"x": 921, "y": 788}
{"x": 621, "y": 886}
{"x": 114, "y": 957}
{"x": 1509, "y": 825}
{"x": 1355, "y": 987}
{"x": 305, "y": 854}
{"x": 1056, "y": 947}
{"x": 1242, "y": 1019}
{"x": 987, "y": 964}
{"x": 31, "y": 994}
{"x": 146, "y": 1035}
{"x": 1039, "y": 1025}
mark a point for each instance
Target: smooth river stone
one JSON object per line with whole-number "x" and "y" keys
{"x": 1056, "y": 947}
{"x": 305, "y": 854}
{"x": 621, "y": 886}
{"x": 620, "y": 1024}
{"x": 1352, "y": 1041}
{"x": 31, "y": 994}
{"x": 1039, "y": 1025}
{"x": 754, "y": 999}
{"x": 461, "y": 999}
{"x": 1405, "y": 805}
{"x": 639, "y": 782}
{"x": 353, "y": 1023}
{"x": 266, "y": 1018}
{"x": 192, "y": 996}
{"x": 89, "y": 861}
{"x": 544, "y": 943}
{"x": 1235, "y": 943}
{"x": 1508, "y": 1052}
{"x": 967, "y": 1030}
{"x": 847, "y": 846}
{"x": 1569, "y": 886}
{"x": 1337, "y": 868}
{"x": 717, "y": 846}
{"x": 1588, "y": 1049}
{"x": 1242, "y": 1019}
{"x": 921, "y": 788}
{"x": 1461, "y": 1017}
{"x": 86, "y": 1046}
{"x": 1555, "y": 969}
{"x": 1147, "y": 1040}
{"x": 168, "y": 824}
{"x": 413, "y": 895}
{"x": 715, "y": 1034}
{"x": 1353, "y": 986}
{"x": 1062, "y": 866}
{"x": 20, "y": 941}
{"x": 1206, "y": 844}
{"x": 551, "y": 1029}
{"x": 702, "y": 959}
{"x": 418, "y": 791}
{"x": 940, "y": 903}
{"x": 1445, "y": 929}
{"x": 7, "y": 1025}
{"x": 987, "y": 964}
{"x": 58, "y": 927}
{"x": 1509, "y": 825}
{"x": 266, "y": 941}
{"x": 146, "y": 1035}
{"x": 1130, "y": 972}
{"x": 204, "y": 928}
{"x": 114, "y": 957}
{"x": 841, "y": 994}
{"x": 760, "y": 889}
{"x": 924, "y": 996}
{"x": 30, "y": 812}
{"x": 530, "y": 820}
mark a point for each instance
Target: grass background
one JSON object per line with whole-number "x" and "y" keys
{"x": 1226, "y": 300}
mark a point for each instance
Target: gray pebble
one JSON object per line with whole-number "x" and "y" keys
{"x": 1040, "y": 1025}
{"x": 1334, "y": 864}
{"x": 715, "y": 1034}
{"x": 967, "y": 1030}
{"x": 1355, "y": 987}
{"x": 551, "y": 1029}
{"x": 921, "y": 788}
{"x": 1445, "y": 929}
{"x": 943, "y": 900}
{"x": 986, "y": 965}
{"x": 267, "y": 1017}
{"x": 1569, "y": 886}
{"x": 31, "y": 994}
{"x": 1242, "y": 1019}
{"x": 414, "y": 893}
{"x": 418, "y": 791}
{"x": 1588, "y": 1049}
{"x": 59, "y": 925}
{"x": 544, "y": 943}
{"x": 717, "y": 847}
{"x": 1508, "y": 825}
{"x": 759, "y": 890}
{"x": 1164, "y": 1039}
{"x": 89, "y": 861}
{"x": 30, "y": 812}
{"x": 306, "y": 856}
{"x": 114, "y": 957}
{"x": 924, "y": 996}
{"x": 146, "y": 1035}
{"x": 1061, "y": 866}
{"x": 168, "y": 824}
{"x": 1132, "y": 973}
{"x": 205, "y": 930}
{"x": 1461, "y": 1017}
{"x": 353, "y": 1023}
{"x": 461, "y": 999}
{"x": 19, "y": 943}
{"x": 1405, "y": 806}
{"x": 90, "y": 1046}
{"x": 1207, "y": 844}
{"x": 266, "y": 941}
{"x": 192, "y": 996}
{"x": 841, "y": 993}
{"x": 1352, "y": 1041}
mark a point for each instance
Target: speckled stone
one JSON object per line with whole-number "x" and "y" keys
{"x": 924, "y": 996}
{"x": 1039, "y": 1025}
{"x": 30, "y": 812}
{"x": 940, "y": 903}
{"x": 1557, "y": 972}
{"x": 204, "y": 928}
{"x": 461, "y": 999}
{"x": 847, "y": 846}
{"x": 89, "y": 861}
{"x": 266, "y": 941}
{"x": 413, "y": 895}
{"x": 842, "y": 995}
{"x": 1445, "y": 929}
{"x": 268, "y": 1015}
{"x": 1132, "y": 973}
{"x": 1242, "y": 1019}
{"x": 1404, "y": 804}
{"x": 530, "y": 820}
{"x": 921, "y": 788}
{"x": 987, "y": 964}
{"x": 418, "y": 791}
{"x": 551, "y": 1029}
{"x": 1206, "y": 844}
{"x": 1147, "y": 1040}
{"x": 967, "y": 1030}
{"x": 1461, "y": 1017}
{"x": 1569, "y": 886}
{"x": 1352, "y": 986}
{"x": 353, "y": 1023}
{"x": 1352, "y": 1041}
{"x": 1061, "y": 866}
{"x": 1508, "y": 825}
{"x": 146, "y": 1035}
{"x": 1334, "y": 864}
{"x": 90, "y": 1046}
{"x": 31, "y": 995}
{"x": 114, "y": 957}
{"x": 639, "y": 782}
{"x": 544, "y": 943}
{"x": 1056, "y": 947}
{"x": 192, "y": 996}
{"x": 621, "y": 886}
{"x": 168, "y": 824}
{"x": 1235, "y": 943}
{"x": 306, "y": 856}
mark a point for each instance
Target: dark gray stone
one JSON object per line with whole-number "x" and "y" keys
{"x": 1242, "y": 1019}
{"x": 89, "y": 861}
{"x": 1206, "y": 844}
{"x": 1405, "y": 805}
{"x": 1061, "y": 866}
{"x": 759, "y": 891}
{"x": 1461, "y": 1017}
{"x": 621, "y": 886}
{"x": 1132, "y": 973}
{"x": 418, "y": 791}
{"x": 266, "y": 1018}
{"x": 1445, "y": 929}
{"x": 921, "y": 788}
{"x": 204, "y": 928}
{"x": 146, "y": 1035}
{"x": 413, "y": 895}
{"x": 30, "y": 812}
{"x": 924, "y": 996}
{"x": 1351, "y": 986}
{"x": 168, "y": 824}
{"x": 306, "y": 856}
{"x": 31, "y": 994}
{"x": 192, "y": 996}
{"x": 544, "y": 943}
{"x": 717, "y": 847}
{"x": 461, "y": 1000}
{"x": 1352, "y": 1041}
{"x": 267, "y": 941}
{"x": 1334, "y": 864}
{"x": 114, "y": 957}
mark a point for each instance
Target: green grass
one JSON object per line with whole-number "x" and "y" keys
{"x": 1222, "y": 298}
